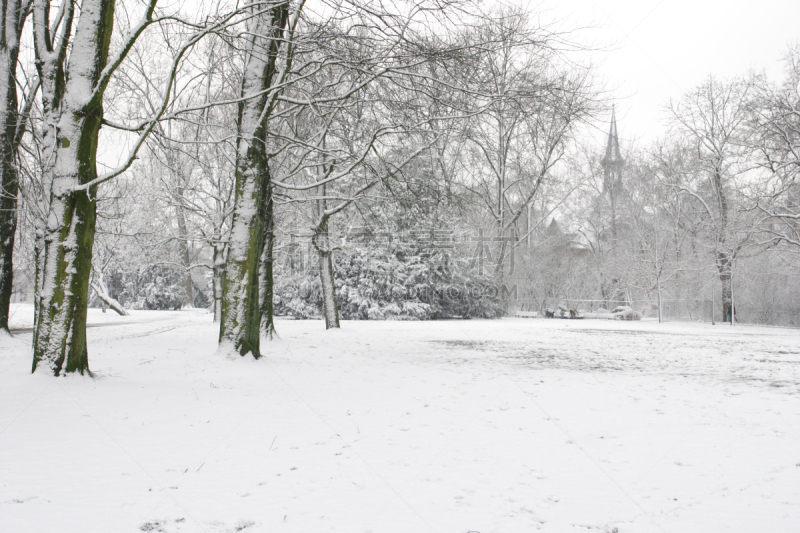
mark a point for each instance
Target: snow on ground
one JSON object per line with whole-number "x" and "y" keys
{"x": 450, "y": 426}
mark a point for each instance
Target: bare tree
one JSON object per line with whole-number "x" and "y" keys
{"x": 531, "y": 100}
{"x": 337, "y": 154}
{"x": 714, "y": 116}
{"x": 775, "y": 134}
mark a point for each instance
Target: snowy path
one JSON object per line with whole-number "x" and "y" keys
{"x": 482, "y": 426}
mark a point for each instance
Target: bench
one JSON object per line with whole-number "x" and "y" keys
{"x": 526, "y": 314}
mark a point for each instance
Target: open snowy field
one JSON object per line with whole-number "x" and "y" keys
{"x": 451, "y": 426}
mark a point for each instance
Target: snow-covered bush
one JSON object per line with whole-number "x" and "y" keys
{"x": 155, "y": 287}
{"x": 391, "y": 282}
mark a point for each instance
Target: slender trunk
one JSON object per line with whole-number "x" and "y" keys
{"x": 183, "y": 245}
{"x": 38, "y": 255}
{"x": 501, "y": 202}
{"x": 266, "y": 281}
{"x": 241, "y": 311}
{"x": 216, "y": 281}
{"x": 330, "y": 308}
{"x": 73, "y": 124}
{"x": 726, "y": 296}
{"x": 9, "y": 143}
{"x": 604, "y": 293}
{"x": 9, "y": 189}
{"x": 724, "y": 259}
{"x": 678, "y": 258}
{"x": 724, "y": 268}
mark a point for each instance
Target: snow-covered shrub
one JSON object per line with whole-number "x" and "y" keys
{"x": 392, "y": 282}
{"x": 297, "y": 295}
{"x": 155, "y": 287}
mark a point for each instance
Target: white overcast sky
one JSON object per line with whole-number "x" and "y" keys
{"x": 658, "y": 49}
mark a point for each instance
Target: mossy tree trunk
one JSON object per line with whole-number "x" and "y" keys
{"x": 59, "y": 343}
{"x": 241, "y": 306}
{"x": 72, "y": 104}
{"x": 183, "y": 246}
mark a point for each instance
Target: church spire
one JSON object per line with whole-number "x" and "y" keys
{"x": 613, "y": 159}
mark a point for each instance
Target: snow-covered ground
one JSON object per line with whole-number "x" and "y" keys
{"x": 450, "y": 426}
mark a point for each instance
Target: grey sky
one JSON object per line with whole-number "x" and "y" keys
{"x": 658, "y": 49}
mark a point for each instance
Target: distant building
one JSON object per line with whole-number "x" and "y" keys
{"x": 612, "y": 164}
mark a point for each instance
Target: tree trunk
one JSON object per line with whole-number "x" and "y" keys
{"x": 321, "y": 241}
{"x": 216, "y": 282}
{"x": 267, "y": 293}
{"x": 38, "y": 267}
{"x": 9, "y": 143}
{"x": 241, "y": 314}
{"x": 330, "y": 308}
{"x": 241, "y": 311}
{"x": 73, "y": 123}
{"x": 60, "y": 336}
{"x": 183, "y": 244}
{"x": 724, "y": 268}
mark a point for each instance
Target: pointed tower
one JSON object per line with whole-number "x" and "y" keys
{"x": 612, "y": 163}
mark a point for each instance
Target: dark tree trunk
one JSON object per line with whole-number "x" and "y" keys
{"x": 10, "y": 129}
{"x": 183, "y": 244}
{"x": 216, "y": 281}
{"x": 267, "y": 292}
{"x": 9, "y": 189}
{"x": 724, "y": 268}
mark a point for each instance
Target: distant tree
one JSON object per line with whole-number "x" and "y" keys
{"x": 530, "y": 103}
{"x": 775, "y": 134}
{"x": 713, "y": 118}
